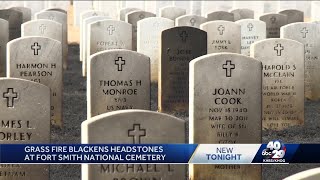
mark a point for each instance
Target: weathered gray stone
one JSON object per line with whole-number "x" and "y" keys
{"x": 39, "y": 59}
{"x": 84, "y": 15}
{"x": 220, "y": 15}
{"x": 118, "y": 80}
{"x": 61, "y": 18}
{"x": 310, "y": 174}
{"x": 225, "y": 108}
{"x": 14, "y": 18}
{"x": 282, "y": 80}
{"x": 179, "y": 45}
{"x": 4, "y": 38}
{"x": 26, "y": 13}
{"x": 171, "y": 12}
{"x": 242, "y": 14}
{"x": 133, "y": 127}
{"x": 25, "y": 119}
{"x": 293, "y": 15}
{"x": 190, "y": 20}
{"x": 148, "y": 40}
{"x": 274, "y": 22}
{"x": 308, "y": 35}
{"x": 84, "y": 40}
{"x": 108, "y": 34}
{"x": 125, "y": 11}
{"x": 251, "y": 31}
{"x": 43, "y": 28}
{"x": 133, "y": 18}
{"x": 223, "y": 36}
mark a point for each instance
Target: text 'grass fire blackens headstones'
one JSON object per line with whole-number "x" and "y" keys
{"x": 25, "y": 119}
{"x": 225, "y": 108}
{"x": 148, "y": 40}
{"x": 251, "y": 31}
{"x": 4, "y": 38}
{"x": 179, "y": 45}
{"x": 133, "y": 127}
{"x": 118, "y": 80}
{"x": 308, "y": 35}
{"x": 39, "y": 59}
{"x": 283, "y": 82}
{"x": 223, "y": 36}
{"x": 274, "y": 22}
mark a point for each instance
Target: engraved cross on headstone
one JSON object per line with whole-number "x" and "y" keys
{"x": 136, "y": 133}
{"x": 42, "y": 28}
{"x": 273, "y": 19}
{"x": 250, "y": 26}
{"x": 141, "y": 16}
{"x": 35, "y": 47}
{"x": 51, "y": 17}
{"x": 119, "y": 62}
{"x": 192, "y": 21}
{"x": 279, "y": 49}
{"x": 111, "y": 29}
{"x": 10, "y": 95}
{"x": 304, "y": 32}
{"x": 228, "y": 66}
{"x": 221, "y": 29}
{"x": 184, "y": 36}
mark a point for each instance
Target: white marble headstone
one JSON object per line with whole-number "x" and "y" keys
{"x": 223, "y": 36}
{"x": 148, "y": 40}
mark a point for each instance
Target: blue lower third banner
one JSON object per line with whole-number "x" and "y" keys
{"x": 273, "y": 152}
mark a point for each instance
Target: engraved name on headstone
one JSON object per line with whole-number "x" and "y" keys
{"x": 282, "y": 80}
{"x": 179, "y": 45}
{"x": 223, "y": 36}
{"x": 148, "y": 40}
{"x": 84, "y": 40}
{"x": 225, "y": 108}
{"x": 108, "y": 34}
{"x": 308, "y": 35}
{"x": 133, "y": 127}
{"x": 25, "y": 119}
{"x": 251, "y": 31}
{"x": 118, "y": 80}
{"x": 39, "y": 59}
{"x": 274, "y": 22}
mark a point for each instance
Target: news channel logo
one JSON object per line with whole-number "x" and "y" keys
{"x": 274, "y": 152}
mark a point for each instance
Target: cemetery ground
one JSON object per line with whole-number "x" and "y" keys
{"x": 74, "y": 107}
